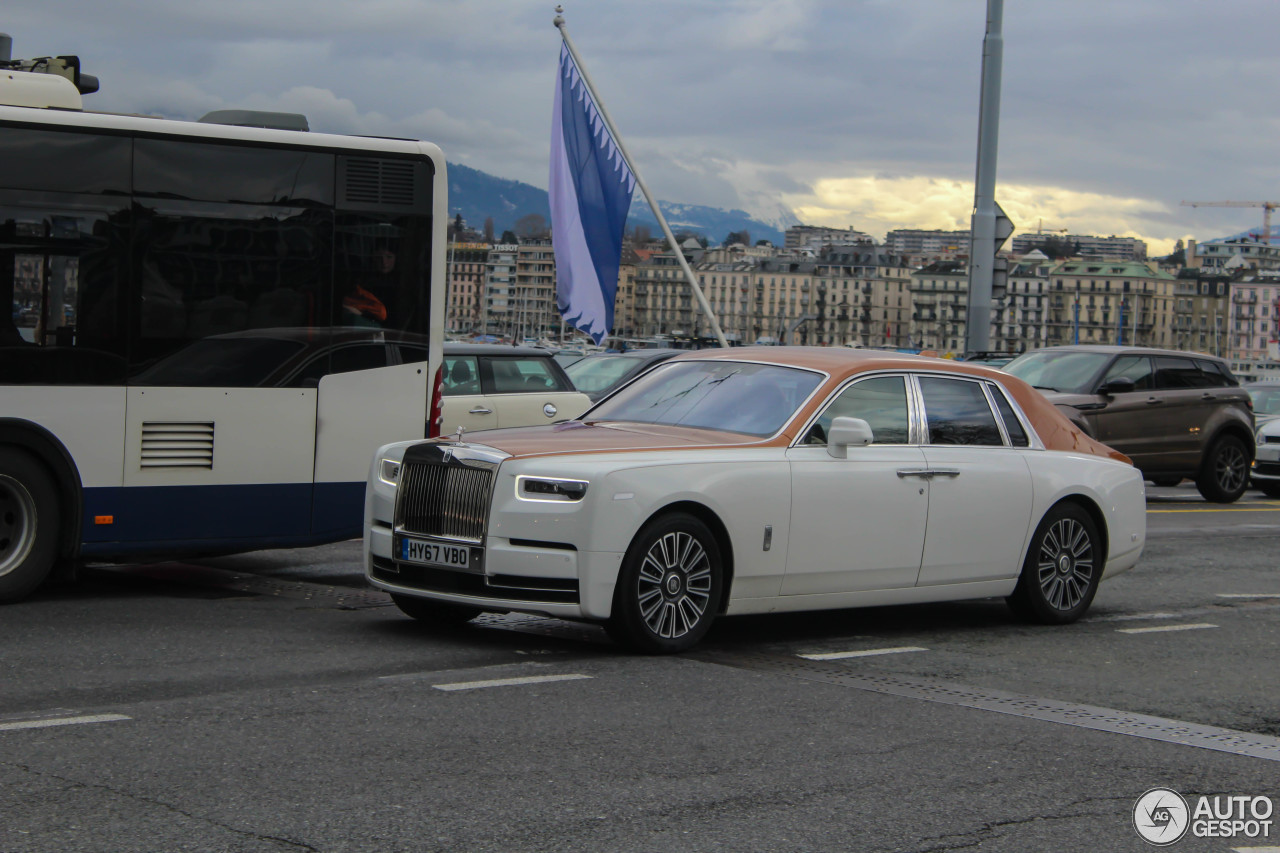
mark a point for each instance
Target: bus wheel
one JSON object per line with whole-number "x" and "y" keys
{"x": 28, "y": 524}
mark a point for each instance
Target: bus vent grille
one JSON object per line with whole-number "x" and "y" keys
{"x": 379, "y": 182}
{"x": 173, "y": 444}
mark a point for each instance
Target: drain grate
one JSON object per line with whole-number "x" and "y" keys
{"x": 340, "y": 597}
{"x": 1018, "y": 705}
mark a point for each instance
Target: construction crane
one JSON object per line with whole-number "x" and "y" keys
{"x": 1267, "y": 207}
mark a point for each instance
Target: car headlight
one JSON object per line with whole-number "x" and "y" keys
{"x": 389, "y": 471}
{"x": 550, "y": 489}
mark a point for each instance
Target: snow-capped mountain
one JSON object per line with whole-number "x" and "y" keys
{"x": 478, "y": 195}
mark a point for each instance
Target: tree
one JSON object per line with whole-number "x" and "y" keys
{"x": 509, "y": 236}
{"x": 488, "y": 229}
{"x": 743, "y": 237}
{"x": 532, "y": 226}
{"x": 640, "y": 235}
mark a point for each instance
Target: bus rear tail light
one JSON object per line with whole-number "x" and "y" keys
{"x": 435, "y": 416}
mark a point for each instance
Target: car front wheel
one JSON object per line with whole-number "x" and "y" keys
{"x": 1225, "y": 473}
{"x": 1063, "y": 567}
{"x": 669, "y": 587}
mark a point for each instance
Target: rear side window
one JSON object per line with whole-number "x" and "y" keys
{"x": 958, "y": 413}
{"x": 1215, "y": 374}
{"x": 523, "y": 375}
{"x": 1173, "y": 373}
{"x": 1017, "y": 435}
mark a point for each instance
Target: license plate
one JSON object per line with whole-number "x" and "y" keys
{"x": 435, "y": 553}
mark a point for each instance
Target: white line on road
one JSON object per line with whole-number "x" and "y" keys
{"x": 1129, "y": 617}
{"x": 1195, "y": 626}
{"x": 1256, "y": 849}
{"x": 49, "y": 722}
{"x": 865, "y": 653}
{"x": 1251, "y": 595}
{"x": 509, "y": 682}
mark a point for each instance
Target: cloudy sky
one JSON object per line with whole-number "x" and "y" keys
{"x": 855, "y": 113}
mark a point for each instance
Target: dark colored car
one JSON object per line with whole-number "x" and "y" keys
{"x": 1175, "y": 414}
{"x": 597, "y": 375}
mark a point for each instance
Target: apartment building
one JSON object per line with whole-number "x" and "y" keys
{"x": 1227, "y": 255}
{"x": 1102, "y": 302}
{"x": 464, "y": 296}
{"x": 500, "y": 282}
{"x": 1200, "y": 312}
{"x": 815, "y": 237}
{"x": 1084, "y": 245}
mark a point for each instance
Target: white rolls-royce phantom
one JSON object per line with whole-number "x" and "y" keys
{"x": 757, "y": 480}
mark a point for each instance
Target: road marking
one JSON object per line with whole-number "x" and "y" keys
{"x": 1194, "y": 626}
{"x": 1250, "y": 595}
{"x": 1129, "y": 617}
{"x": 509, "y": 682}
{"x": 1091, "y": 717}
{"x": 1255, "y": 849}
{"x": 865, "y": 653}
{"x": 49, "y": 722}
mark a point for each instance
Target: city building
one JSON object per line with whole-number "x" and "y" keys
{"x": 1082, "y": 245}
{"x": 1103, "y": 302}
{"x": 815, "y": 237}
{"x": 499, "y": 286}
{"x": 1200, "y": 311}
{"x": 1229, "y": 255}
{"x": 467, "y": 265}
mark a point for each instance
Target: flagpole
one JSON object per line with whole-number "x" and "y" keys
{"x": 653, "y": 205}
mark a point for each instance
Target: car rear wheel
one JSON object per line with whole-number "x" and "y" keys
{"x": 1063, "y": 567}
{"x": 1225, "y": 473}
{"x": 434, "y": 612}
{"x": 29, "y": 518}
{"x": 1166, "y": 481}
{"x": 669, "y": 587}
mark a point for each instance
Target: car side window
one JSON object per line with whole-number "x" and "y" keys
{"x": 1213, "y": 375}
{"x": 1012, "y": 426}
{"x": 461, "y": 375}
{"x": 957, "y": 412}
{"x": 1173, "y": 373}
{"x": 1134, "y": 367}
{"x": 881, "y": 401}
{"x": 522, "y": 375}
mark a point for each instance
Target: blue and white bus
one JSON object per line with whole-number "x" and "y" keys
{"x": 214, "y": 327}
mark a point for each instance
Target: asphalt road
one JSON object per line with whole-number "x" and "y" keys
{"x": 270, "y": 702}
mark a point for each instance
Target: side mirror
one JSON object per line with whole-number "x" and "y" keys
{"x": 846, "y": 433}
{"x": 1119, "y": 385}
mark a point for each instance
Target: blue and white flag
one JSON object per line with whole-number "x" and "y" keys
{"x": 590, "y": 194}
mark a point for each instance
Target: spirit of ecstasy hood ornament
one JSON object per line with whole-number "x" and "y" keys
{"x": 458, "y": 437}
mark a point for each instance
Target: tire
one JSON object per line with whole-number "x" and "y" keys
{"x": 1062, "y": 569}
{"x": 29, "y": 521}
{"x": 435, "y": 612}
{"x": 1166, "y": 480}
{"x": 1225, "y": 473}
{"x": 1270, "y": 489}
{"x": 669, "y": 587}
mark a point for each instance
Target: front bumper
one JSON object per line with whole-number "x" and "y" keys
{"x": 529, "y": 577}
{"x": 1266, "y": 463}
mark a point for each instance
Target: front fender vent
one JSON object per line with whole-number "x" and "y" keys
{"x": 176, "y": 444}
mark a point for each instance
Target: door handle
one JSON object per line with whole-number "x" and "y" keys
{"x": 944, "y": 472}
{"x": 480, "y": 410}
{"x": 1154, "y": 401}
{"x": 914, "y": 472}
{"x": 1206, "y": 396}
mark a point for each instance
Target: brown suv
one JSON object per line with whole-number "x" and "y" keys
{"x": 1175, "y": 414}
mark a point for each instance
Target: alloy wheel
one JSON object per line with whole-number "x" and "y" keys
{"x": 1066, "y": 564}
{"x": 674, "y": 585}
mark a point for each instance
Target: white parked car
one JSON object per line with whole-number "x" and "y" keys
{"x": 755, "y": 480}
{"x": 1266, "y": 461}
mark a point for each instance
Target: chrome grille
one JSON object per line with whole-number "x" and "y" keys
{"x": 447, "y": 500}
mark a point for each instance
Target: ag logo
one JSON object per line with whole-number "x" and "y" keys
{"x": 1161, "y": 816}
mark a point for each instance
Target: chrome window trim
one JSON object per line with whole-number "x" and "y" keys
{"x": 989, "y": 391}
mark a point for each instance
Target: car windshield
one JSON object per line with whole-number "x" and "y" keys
{"x": 757, "y": 399}
{"x": 1068, "y": 371}
{"x": 599, "y": 371}
{"x": 1266, "y": 401}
